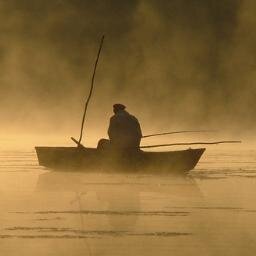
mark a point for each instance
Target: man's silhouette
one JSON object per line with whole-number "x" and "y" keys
{"x": 124, "y": 130}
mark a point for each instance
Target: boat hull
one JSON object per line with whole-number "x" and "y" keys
{"x": 91, "y": 159}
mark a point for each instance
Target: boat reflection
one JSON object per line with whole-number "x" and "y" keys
{"x": 119, "y": 199}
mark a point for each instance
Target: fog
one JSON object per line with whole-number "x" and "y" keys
{"x": 175, "y": 64}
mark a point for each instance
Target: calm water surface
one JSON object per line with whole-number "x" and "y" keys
{"x": 211, "y": 211}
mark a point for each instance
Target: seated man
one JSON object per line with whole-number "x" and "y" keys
{"x": 124, "y": 130}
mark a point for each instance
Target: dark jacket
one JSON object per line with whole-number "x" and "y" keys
{"x": 124, "y": 130}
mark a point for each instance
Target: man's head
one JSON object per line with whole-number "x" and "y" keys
{"x": 118, "y": 107}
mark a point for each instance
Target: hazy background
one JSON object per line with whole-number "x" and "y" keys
{"x": 176, "y": 64}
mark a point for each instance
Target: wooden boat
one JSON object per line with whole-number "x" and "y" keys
{"x": 91, "y": 159}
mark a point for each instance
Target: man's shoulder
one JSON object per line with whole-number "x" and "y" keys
{"x": 115, "y": 117}
{"x": 123, "y": 116}
{"x": 134, "y": 118}
{"x": 112, "y": 117}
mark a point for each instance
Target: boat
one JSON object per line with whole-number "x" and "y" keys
{"x": 92, "y": 159}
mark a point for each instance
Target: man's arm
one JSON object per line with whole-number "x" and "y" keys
{"x": 139, "y": 129}
{"x": 111, "y": 128}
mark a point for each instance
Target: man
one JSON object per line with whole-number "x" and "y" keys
{"x": 124, "y": 130}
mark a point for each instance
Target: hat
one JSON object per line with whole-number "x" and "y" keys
{"x": 119, "y": 106}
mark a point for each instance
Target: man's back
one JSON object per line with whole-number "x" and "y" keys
{"x": 124, "y": 130}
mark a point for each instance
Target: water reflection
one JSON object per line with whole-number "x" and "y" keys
{"x": 121, "y": 199}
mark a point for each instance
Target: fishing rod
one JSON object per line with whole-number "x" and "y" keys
{"x": 90, "y": 93}
{"x": 192, "y": 143}
{"x": 175, "y": 132}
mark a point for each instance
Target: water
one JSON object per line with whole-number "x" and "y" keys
{"x": 211, "y": 211}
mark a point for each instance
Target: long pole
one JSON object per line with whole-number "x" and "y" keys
{"x": 192, "y": 143}
{"x": 166, "y": 133}
{"x": 91, "y": 90}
